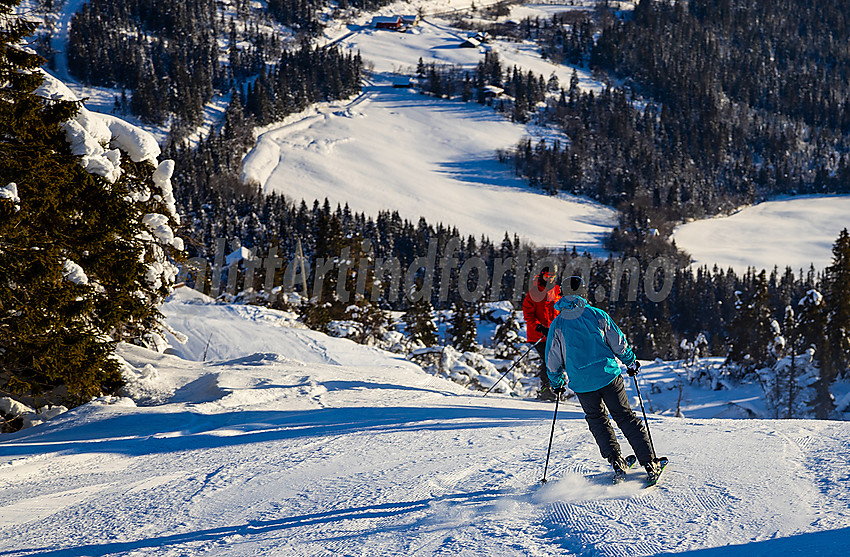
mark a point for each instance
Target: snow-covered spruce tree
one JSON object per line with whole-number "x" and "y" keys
{"x": 463, "y": 329}
{"x": 506, "y": 340}
{"x": 359, "y": 284}
{"x": 787, "y": 383}
{"x": 835, "y": 359}
{"x": 810, "y": 317}
{"x": 838, "y": 301}
{"x": 419, "y": 323}
{"x": 373, "y": 323}
{"x": 85, "y": 240}
{"x": 811, "y": 336}
{"x": 750, "y": 332}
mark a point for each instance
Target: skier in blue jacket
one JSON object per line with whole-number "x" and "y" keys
{"x": 584, "y": 343}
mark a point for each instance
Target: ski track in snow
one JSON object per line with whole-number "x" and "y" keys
{"x": 388, "y": 485}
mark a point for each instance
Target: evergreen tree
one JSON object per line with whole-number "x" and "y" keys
{"x": 419, "y": 323}
{"x": 837, "y": 293}
{"x": 811, "y": 331}
{"x": 811, "y": 321}
{"x": 316, "y": 314}
{"x": 835, "y": 358}
{"x": 463, "y": 329}
{"x": 373, "y": 323}
{"x": 82, "y": 267}
{"x": 506, "y": 340}
{"x": 750, "y": 331}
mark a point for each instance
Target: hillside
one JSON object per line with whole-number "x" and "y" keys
{"x": 424, "y": 158}
{"x": 423, "y": 155}
{"x": 328, "y": 447}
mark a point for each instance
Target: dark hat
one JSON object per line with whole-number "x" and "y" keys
{"x": 574, "y": 285}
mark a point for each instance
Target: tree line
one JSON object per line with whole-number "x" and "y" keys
{"x": 523, "y": 90}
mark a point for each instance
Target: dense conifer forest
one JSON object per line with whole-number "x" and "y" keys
{"x": 712, "y": 105}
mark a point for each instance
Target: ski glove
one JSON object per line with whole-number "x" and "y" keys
{"x": 560, "y": 390}
{"x": 542, "y": 330}
{"x": 632, "y": 370}
{"x": 560, "y": 383}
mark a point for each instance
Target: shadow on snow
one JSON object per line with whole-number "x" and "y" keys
{"x": 152, "y": 430}
{"x": 829, "y": 542}
{"x": 384, "y": 510}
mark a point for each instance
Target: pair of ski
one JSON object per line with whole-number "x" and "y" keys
{"x": 631, "y": 460}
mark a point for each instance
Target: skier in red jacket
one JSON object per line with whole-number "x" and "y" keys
{"x": 538, "y": 309}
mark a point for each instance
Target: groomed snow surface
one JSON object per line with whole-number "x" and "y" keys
{"x": 287, "y": 442}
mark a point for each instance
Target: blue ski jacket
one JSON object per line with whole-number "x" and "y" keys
{"x": 583, "y": 342}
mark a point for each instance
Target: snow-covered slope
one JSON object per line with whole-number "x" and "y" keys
{"x": 327, "y": 448}
{"x": 796, "y": 232}
{"x": 395, "y": 149}
{"x": 226, "y": 331}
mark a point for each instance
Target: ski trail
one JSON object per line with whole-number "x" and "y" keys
{"x": 269, "y": 150}
{"x": 674, "y": 516}
{"x": 59, "y": 40}
{"x": 435, "y": 496}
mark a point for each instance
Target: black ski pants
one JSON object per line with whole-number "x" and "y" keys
{"x": 612, "y": 398}
{"x": 543, "y": 372}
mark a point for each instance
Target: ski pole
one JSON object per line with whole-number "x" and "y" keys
{"x": 648, "y": 434}
{"x": 513, "y": 366}
{"x": 551, "y": 436}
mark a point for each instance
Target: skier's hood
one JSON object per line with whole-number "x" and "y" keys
{"x": 571, "y": 306}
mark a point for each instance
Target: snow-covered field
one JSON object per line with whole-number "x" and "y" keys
{"x": 435, "y": 40}
{"x": 318, "y": 446}
{"x": 796, "y": 232}
{"x": 396, "y": 149}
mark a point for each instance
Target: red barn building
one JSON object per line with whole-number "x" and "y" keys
{"x": 393, "y": 23}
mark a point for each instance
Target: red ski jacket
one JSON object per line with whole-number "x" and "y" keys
{"x": 539, "y": 313}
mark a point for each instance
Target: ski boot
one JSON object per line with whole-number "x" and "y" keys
{"x": 545, "y": 393}
{"x": 619, "y": 465}
{"x": 653, "y": 471}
